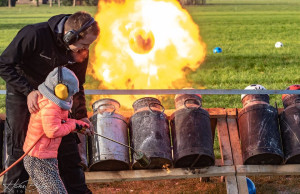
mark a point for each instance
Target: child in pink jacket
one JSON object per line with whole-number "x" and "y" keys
{"x": 50, "y": 123}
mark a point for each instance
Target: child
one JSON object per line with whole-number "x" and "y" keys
{"x": 48, "y": 126}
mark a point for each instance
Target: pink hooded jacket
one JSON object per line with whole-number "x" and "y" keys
{"x": 53, "y": 122}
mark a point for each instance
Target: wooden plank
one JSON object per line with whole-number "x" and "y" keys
{"x": 235, "y": 141}
{"x": 158, "y": 174}
{"x": 226, "y": 154}
{"x": 231, "y": 185}
{"x": 236, "y": 149}
{"x": 225, "y": 147}
{"x": 287, "y": 169}
{"x": 231, "y": 112}
{"x": 242, "y": 184}
{"x": 216, "y": 112}
{"x": 213, "y": 124}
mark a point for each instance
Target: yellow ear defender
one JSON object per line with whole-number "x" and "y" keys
{"x": 61, "y": 90}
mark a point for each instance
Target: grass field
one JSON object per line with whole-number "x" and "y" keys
{"x": 246, "y": 30}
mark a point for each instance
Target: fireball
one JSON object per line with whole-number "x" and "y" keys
{"x": 144, "y": 44}
{"x": 141, "y": 41}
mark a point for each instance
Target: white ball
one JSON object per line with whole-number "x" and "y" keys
{"x": 278, "y": 44}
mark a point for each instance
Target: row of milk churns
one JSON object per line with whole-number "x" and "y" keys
{"x": 148, "y": 131}
{"x": 262, "y": 141}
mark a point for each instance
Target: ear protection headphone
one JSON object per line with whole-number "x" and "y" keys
{"x": 61, "y": 90}
{"x": 73, "y": 35}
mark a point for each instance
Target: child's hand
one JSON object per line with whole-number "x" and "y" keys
{"x": 83, "y": 128}
{"x": 86, "y": 120}
{"x": 81, "y": 123}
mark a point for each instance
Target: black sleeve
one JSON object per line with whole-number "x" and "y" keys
{"x": 22, "y": 46}
{"x": 79, "y": 110}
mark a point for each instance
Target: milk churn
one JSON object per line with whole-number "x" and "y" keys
{"x": 149, "y": 132}
{"x": 290, "y": 126}
{"x": 259, "y": 130}
{"x": 105, "y": 154}
{"x": 191, "y": 133}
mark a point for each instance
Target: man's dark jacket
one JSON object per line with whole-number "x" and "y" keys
{"x": 35, "y": 51}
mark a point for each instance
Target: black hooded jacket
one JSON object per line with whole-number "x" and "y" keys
{"x": 35, "y": 51}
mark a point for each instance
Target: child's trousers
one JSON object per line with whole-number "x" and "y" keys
{"x": 45, "y": 175}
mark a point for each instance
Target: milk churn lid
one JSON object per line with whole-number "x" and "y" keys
{"x": 105, "y": 102}
{"x": 253, "y": 87}
{"x": 292, "y": 87}
{"x": 178, "y": 95}
{"x": 181, "y": 100}
{"x": 146, "y": 103}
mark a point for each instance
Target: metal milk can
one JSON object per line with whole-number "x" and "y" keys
{"x": 290, "y": 126}
{"x": 149, "y": 132}
{"x": 105, "y": 154}
{"x": 259, "y": 130}
{"x": 191, "y": 133}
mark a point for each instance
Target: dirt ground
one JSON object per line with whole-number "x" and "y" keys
{"x": 264, "y": 185}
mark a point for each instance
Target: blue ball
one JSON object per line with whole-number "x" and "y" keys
{"x": 251, "y": 186}
{"x": 217, "y": 50}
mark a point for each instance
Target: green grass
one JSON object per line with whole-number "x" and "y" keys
{"x": 246, "y": 30}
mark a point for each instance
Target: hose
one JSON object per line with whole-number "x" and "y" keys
{"x": 140, "y": 157}
{"x": 21, "y": 158}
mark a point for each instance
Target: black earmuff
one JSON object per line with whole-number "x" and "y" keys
{"x": 73, "y": 35}
{"x": 61, "y": 90}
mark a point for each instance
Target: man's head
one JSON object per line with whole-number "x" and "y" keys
{"x": 88, "y": 33}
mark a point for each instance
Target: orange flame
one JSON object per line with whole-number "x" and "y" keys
{"x": 144, "y": 44}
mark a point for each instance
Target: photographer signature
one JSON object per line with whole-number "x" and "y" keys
{"x": 10, "y": 187}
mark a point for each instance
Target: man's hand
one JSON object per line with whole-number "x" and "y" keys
{"x": 32, "y": 101}
{"x": 91, "y": 128}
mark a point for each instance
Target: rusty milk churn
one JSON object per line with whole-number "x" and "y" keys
{"x": 106, "y": 154}
{"x": 259, "y": 130}
{"x": 149, "y": 132}
{"x": 191, "y": 133}
{"x": 290, "y": 126}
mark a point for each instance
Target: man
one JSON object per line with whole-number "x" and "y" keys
{"x": 35, "y": 51}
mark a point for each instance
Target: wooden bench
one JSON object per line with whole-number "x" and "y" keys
{"x": 224, "y": 122}
{"x": 230, "y": 166}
